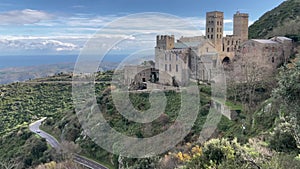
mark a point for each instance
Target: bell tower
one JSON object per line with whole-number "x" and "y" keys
{"x": 240, "y": 25}
{"x": 214, "y": 28}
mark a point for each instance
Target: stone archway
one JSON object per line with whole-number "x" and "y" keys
{"x": 226, "y": 60}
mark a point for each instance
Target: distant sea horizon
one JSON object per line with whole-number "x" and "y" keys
{"x": 11, "y": 61}
{"x": 17, "y": 68}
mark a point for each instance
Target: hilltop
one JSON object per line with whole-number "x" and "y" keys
{"x": 283, "y": 20}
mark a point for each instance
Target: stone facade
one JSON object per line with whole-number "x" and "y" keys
{"x": 240, "y": 25}
{"x": 191, "y": 57}
{"x": 214, "y": 28}
{"x": 230, "y": 44}
{"x": 226, "y": 46}
{"x": 272, "y": 52}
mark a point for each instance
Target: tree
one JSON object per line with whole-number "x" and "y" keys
{"x": 282, "y": 139}
{"x": 287, "y": 94}
{"x": 249, "y": 81}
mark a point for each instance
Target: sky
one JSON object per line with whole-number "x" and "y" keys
{"x": 63, "y": 27}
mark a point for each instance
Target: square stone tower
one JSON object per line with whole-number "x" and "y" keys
{"x": 214, "y": 28}
{"x": 240, "y": 25}
{"x": 165, "y": 42}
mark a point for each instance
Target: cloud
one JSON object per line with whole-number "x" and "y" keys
{"x": 22, "y": 17}
{"x": 90, "y": 21}
{"x": 37, "y": 45}
{"x": 69, "y": 33}
{"x": 78, "y": 6}
{"x": 58, "y": 45}
{"x": 228, "y": 21}
{"x": 250, "y": 22}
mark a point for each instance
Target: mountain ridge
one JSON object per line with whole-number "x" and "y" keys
{"x": 283, "y": 20}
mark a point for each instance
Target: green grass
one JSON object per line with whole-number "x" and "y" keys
{"x": 234, "y": 106}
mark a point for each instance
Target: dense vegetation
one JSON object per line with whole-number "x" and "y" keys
{"x": 283, "y": 20}
{"x": 22, "y": 149}
{"x": 21, "y": 103}
{"x": 273, "y": 133}
{"x": 69, "y": 129}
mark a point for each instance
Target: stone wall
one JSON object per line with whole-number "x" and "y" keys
{"x": 172, "y": 63}
{"x": 266, "y": 52}
{"x": 137, "y": 74}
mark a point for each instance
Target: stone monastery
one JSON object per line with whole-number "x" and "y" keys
{"x": 196, "y": 58}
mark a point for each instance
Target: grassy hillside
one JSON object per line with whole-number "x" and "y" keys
{"x": 283, "y": 20}
{"x": 22, "y": 103}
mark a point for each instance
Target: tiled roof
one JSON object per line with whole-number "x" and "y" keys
{"x": 264, "y": 41}
{"x": 281, "y": 39}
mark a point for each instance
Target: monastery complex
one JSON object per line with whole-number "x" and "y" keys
{"x": 196, "y": 58}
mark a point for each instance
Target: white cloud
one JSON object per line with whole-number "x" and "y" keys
{"x": 58, "y": 45}
{"x": 22, "y": 17}
{"x": 88, "y": 21}
{"x": 37, "y": 44}
{"x": 250, "y": 23}
{"x": 228, "y": 21}
{"x": 70, "y": 33}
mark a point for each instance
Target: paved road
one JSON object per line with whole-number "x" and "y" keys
{"x": 87, "y": 162}
{"x": 34, "y": 127}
